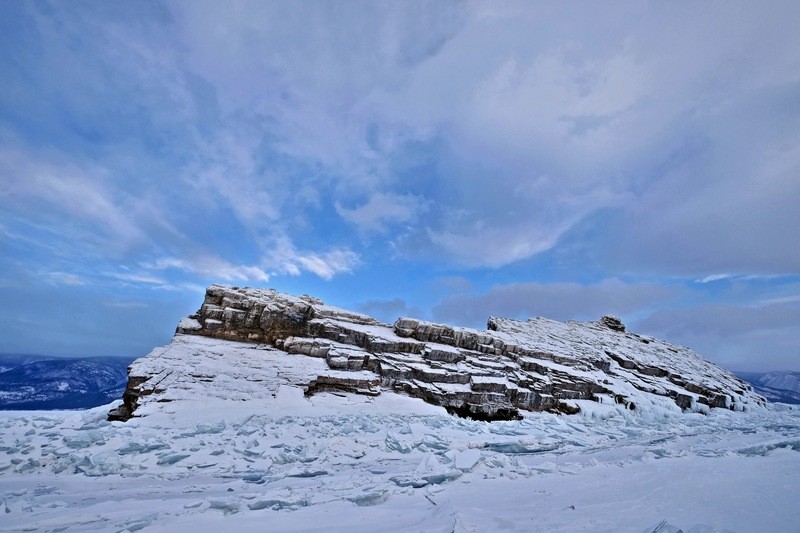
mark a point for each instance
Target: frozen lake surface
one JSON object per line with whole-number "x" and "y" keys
{"x": 393, "y": 463}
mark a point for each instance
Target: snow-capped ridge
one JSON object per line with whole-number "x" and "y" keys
{"x": 48, "y": 383}
{"x": 777, "y": 386}
{"x": 781, "y": 380}
{"x": 246, "y": 343}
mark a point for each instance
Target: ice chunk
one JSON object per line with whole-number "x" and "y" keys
{"x": 28, "y": 466}
{"x": 393, "y": 443}
{"x": 764, "y": 449}
{"x": 408, "y": 481}
{"x": 172, "y": 458}
{"x": 442, "y": 477}
{"x": 135, "y": 447}
{"x": 205, "y": 429}
{"x": 276, "y": 504}
{"x": 370, "y": 497}
{"x": 464, "y": 460}
{"x": 520, "y": 447}
{"x": 211, "y": 428}
{"x": 227, "y": 507}
{"x": 255, "y": 477}
{"x": 139, "y": 523}
{"x": 305, "y": 473}
{"x": 83, "y": 440}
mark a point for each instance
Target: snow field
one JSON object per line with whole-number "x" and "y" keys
{"x": 353, "y": 463}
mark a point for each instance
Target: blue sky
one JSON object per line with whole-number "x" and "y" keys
{"x": 443, "y": 160}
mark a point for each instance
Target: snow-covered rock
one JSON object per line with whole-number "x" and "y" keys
{"x": 246, "y": 343}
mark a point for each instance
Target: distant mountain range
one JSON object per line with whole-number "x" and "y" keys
{"x": 33, "y": 382}
{"x": 782, "y": 386}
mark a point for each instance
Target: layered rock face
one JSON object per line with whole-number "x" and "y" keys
{"x": 513, "y": 366}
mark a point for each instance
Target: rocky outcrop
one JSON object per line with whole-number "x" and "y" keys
{"x": 513, "y": 366}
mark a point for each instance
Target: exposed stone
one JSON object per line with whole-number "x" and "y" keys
{"x": 513, "y": 366}
{"x": 612, "y": 323}
{"x": 358, "y": 385}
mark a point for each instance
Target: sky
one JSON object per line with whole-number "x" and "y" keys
{"x": 449, "y": 161}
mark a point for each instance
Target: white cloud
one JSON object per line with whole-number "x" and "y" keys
{"x": 714, "y": 277}
{"x": 130, "y": 279}
{"x": 66, "y": 278}
{"x": 138, "y": 278}
{"x": 790, "y": 299}
{"x": 227, "y": 169}
{"x": 383, "y": 210}
{"x": 210, "y": 267}
{"x": 494, "y": 247}
{"x": 284, "y": 259}
{"x": 328, "y": 264}
{"x": 50, "y": 188}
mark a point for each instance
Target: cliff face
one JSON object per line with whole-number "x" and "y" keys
{"x": 494, "y": 374}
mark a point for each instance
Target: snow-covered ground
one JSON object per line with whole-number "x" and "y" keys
{"x": 388, "y": 463}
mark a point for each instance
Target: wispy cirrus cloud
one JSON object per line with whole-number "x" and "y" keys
{"x": 210, "y": 266}
{"x": 65, "y": 278}
{"x": 48, "y": 187}
{"x": 286, "y": 260}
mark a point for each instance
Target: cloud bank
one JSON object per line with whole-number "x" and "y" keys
{"x": 563, "y": 159}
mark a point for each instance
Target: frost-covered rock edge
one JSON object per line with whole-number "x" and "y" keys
{"x": 512, "y": 367}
